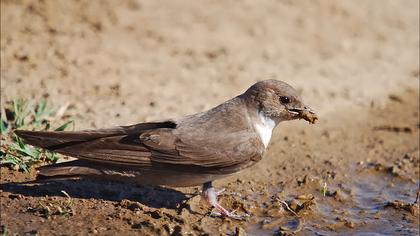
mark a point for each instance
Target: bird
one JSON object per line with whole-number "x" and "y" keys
{"x": 192, "y": 150}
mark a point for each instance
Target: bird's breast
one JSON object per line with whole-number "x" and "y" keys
{"x": 264, "y": 127}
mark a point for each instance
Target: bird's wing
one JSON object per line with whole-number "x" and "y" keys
{"x": 223, "y": 151}
{"x": 119, "y": 150}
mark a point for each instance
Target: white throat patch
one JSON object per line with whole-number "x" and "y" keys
{"x": 264, "y": 127}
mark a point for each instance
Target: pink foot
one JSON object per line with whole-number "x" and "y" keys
{"x": 211, "y": 196}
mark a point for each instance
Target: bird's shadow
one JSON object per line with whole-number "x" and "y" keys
{"x": 152, "y": 196}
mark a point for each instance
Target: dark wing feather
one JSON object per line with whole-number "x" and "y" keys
{"x": 50, "y": 139}
{"x": 120, "y": 150}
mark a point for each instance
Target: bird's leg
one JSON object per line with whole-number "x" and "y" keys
{"x": 211, "y": 196}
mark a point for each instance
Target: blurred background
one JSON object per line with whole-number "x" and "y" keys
{"x": 120, "y": 62}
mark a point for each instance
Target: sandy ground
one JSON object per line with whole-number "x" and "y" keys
{"x": 123, "y": 62}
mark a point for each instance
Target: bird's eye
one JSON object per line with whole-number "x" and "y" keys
{"x": 284, "y": 99}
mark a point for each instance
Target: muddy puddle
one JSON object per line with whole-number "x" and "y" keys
{"x": 371, "y": 203}
{"x": 382, "y": 200}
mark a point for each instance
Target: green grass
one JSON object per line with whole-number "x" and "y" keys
{"x": 3, "y": 230}
{"x": 28, "y": 115}
{"x": 48, "y": 208}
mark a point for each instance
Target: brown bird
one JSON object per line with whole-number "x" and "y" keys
{"x": 189, "y": 151}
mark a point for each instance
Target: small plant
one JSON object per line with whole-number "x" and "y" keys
{"x": 3, "y": 230}
{"x": 325, "y": 189}
{"x": 22, "y": 114}
{"x": 49, "y": 208}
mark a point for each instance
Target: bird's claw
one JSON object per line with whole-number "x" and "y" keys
{"x": 211, "y": 196}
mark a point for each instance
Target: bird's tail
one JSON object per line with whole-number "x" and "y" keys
{"x": 54, "y": 140}
{"x": 90, "y": 147}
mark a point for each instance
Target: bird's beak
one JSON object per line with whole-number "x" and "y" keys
{"x": 305, "y": 113}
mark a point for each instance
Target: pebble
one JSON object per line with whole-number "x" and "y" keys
{"x": 305, "y": 197}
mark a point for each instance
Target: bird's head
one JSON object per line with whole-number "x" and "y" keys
{"x": 278, "y": 101}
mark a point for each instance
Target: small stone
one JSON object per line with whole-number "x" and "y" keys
{"x": 131, "y": 205}
{"x": 15, "y": 196}
{"x": 305, "y": 197}
{"x": 349, "y": 224}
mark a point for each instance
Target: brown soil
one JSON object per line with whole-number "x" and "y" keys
{"x": 124, "y": 62}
